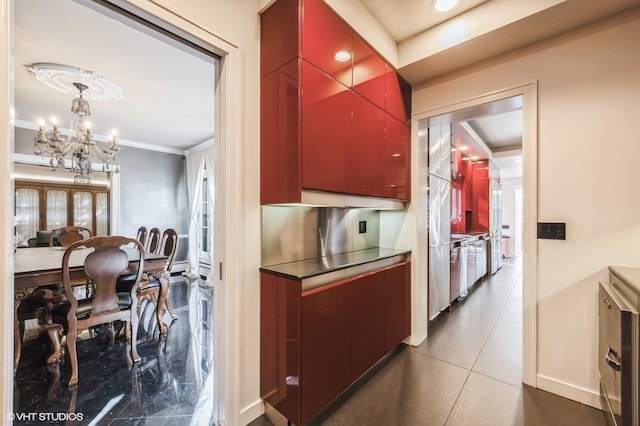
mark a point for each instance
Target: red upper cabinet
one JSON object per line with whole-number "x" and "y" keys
{"x": 367, "y": 148}
{"x": 326, "y": 41}
{"x": 368, "y": 72}
{"x": 326, "y": 131}
{"x": 278, "y": 35}
{"x": 280, "y": 136}
{"x": 398, "y": 96}
{"x": 397, "y": 159}
{"x": 323, "y": 123}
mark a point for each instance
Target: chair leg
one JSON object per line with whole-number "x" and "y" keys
{"x": 169, "y": 307}
{"x": 54, "y": 331}
{"x": 72, "y": 336}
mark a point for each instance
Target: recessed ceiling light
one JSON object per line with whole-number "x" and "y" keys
{"x": 444, "y": 5}
{"x": 342, "y": 56}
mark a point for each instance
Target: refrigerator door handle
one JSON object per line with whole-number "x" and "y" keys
{"x": 611, "y": 362}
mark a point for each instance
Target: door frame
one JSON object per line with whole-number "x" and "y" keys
{"x": 226, "y": 312}
{"x": 529, "y": 92}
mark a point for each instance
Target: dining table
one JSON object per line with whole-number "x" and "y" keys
{"x": 42, "y": 266}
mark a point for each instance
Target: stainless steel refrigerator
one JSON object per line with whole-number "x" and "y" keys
{"x": 439, "y": 217}
{"x": 495, "y": 221}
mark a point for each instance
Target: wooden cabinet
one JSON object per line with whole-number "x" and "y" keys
{"x": 324, "y": 123}
{"x": 314, "y": 344}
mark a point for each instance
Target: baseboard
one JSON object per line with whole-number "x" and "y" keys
{"x": 574, "y": 393}
{"x": 251, "y": 412}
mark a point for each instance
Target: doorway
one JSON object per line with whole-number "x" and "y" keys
{"x": 465, "y": 111}
{"x": 165, "y": 161}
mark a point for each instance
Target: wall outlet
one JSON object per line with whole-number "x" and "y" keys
{"x": 362, "y": 227}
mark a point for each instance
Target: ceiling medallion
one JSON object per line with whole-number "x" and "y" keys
{"x": 63, "y": 77}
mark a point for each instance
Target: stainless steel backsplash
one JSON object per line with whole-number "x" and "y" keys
{"x": 291, "y": 233}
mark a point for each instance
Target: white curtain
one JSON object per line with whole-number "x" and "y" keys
{"x": 83, "y": 209}
{"x": 195, "y": 167}
{"x": 211, "y": 154}
{"x": 102, "y": 214}
{"x": 27, "y": 214}
{"x": 56, "y": 209}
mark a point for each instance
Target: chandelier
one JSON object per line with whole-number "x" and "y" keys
{"x": 79, "y": 143}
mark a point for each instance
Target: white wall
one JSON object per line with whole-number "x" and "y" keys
{"x": 588, "y": 109}
{"x": 236, "y": 27}
{"x": 509, "y": 210}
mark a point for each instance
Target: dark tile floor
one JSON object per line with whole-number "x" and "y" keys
{"x": 166, "y": 388}
{"x": 468, "y": 372}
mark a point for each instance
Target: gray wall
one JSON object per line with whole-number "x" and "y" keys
{"x": 153, "y": 191}
{"x": 153, "y": 187}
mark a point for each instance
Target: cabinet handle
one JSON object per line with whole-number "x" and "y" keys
{"x": 607, "y": 302}
{"x": 613, "y": 363}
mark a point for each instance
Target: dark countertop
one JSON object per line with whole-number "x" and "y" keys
{"x": 630, "y": 276}
{"x": 302, "y": 269}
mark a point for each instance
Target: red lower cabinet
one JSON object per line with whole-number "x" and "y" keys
{"x": 315, "y": 344}
{"x": 326, "y": 342}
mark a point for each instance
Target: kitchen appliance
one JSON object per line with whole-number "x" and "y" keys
{"x": 439, "y": 215}
{"x": 619, "y": 346}
{"x": 495, "y": 220}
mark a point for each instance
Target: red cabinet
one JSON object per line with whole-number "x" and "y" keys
{"x": 324, "y": 36}
{"x": 326, "y": 342}
{"x": 398, "y": 96}
{"x": 369, "y": 72}
{"x": 397, "y": 159}
{"x": 326, "y": 131}
{"x": 314, "y": 344}
{"x": 397, "y": 313}
{"x": 323, "y": 125}
{"x": 367, "y": 148}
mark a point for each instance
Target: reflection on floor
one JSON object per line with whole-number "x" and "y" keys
{"x": 170, "y": 386}
{"x": 468, "y": 372}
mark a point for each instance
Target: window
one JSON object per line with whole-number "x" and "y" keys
{"x": 205, "y": 223}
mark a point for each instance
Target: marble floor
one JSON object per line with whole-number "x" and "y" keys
{"x": 170, "y": 386}
{"x": 467, "y": 372}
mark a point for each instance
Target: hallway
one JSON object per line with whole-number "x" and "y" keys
{"x": 467, "y": 372}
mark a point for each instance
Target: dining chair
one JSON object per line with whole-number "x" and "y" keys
{"x": 68, "y": 235}
{"x": 103, "y": 266}
{"x": 38, "y": 305}
{"x": 142, "y": 235}
{"x": 149, "y": 288}
{"x": 153, "y": 242}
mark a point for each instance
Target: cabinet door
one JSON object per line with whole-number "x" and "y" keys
{"x": 324, "y": 34}
{"x": 278, "y": 35}
{"x": 367, "y": 148}
{"x": 279, "y": 136}
{"x": 398, "y": 96}
{"x": 326, "y": 345}
{"x": 368, "y": 72}
{"x": 397, "y": 313}
{"x": 368, "y": 322}
{"x": 326, "y": 131}
{"x": 397, "y": 156}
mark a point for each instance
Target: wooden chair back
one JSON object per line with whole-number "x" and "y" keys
{"x": 169, "y": 246}
{"x": 68, "y": 235}
{"x": 142, "y": 235}
{"x": 104, "y": 265}
{"x": 154, "y": 241}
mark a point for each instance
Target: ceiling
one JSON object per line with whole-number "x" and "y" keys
{"x": 168, "y": 87}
